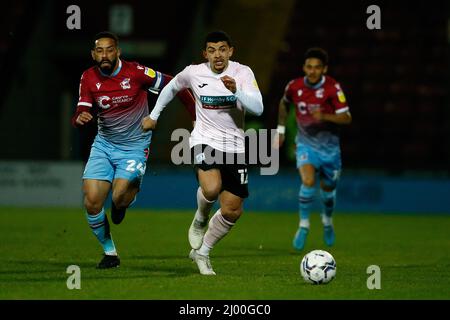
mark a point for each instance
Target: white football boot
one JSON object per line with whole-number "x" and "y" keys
{"x": 203, "y": 263}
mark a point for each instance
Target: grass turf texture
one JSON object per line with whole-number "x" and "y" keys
{"x": 255, "y": 261}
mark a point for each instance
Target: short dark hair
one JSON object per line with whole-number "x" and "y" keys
{"x": 217, "y": 36}
{"x": 317, "y": 53}
{"x": 106, "y": 34}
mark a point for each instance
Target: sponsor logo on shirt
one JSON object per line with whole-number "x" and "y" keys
{"x": 98, "y": 85}
{"x": 121, "y": 99}
{"x": 106, "y": 102}
{"x": 313, "y": 107}
{"x": 218, "y": 102}
{"x": 103, "y": 102}
{"x": 304, "y": 108}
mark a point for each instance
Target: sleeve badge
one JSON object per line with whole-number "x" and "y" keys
{"x": 341, "y": 97}
{"x": 150, "y": 72}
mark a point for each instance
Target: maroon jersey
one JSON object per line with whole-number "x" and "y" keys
{"x": 327, "y": 96}
{"x": 122, "y": 100}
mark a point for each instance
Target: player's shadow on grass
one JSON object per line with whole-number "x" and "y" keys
{"x": 171, "y": 271}
{"x": 55, "y": 271}
{"x": 239, "y": 252}
{"x": 231, "y": 252}
{"x": 63, "y": 278}
{"x": 156, "y": 257}
{"x": 40, "y": 266}
{"x": 178, "y": 267}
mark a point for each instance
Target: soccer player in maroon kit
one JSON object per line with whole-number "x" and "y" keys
{"x": 321, "y": 107}
{"x": 119, "y": 153}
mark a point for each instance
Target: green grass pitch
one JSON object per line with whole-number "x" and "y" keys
{"x": 255, "y": 261}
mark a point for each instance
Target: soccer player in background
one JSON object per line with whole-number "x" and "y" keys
{"x": 320, "y": 107}
{"x": 120, "y": 150}
{"x": 224, "y": 91}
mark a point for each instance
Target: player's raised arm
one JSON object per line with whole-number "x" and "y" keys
{"x": 184, "y": 95}
{"x": 165, "y": 97}
{"x": 155, "y": 81}
{"x": 248, "y": 94}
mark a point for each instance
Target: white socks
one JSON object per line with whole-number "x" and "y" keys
{"x": 304, "y": 223}
{"x": 217, "y": 229}
{"x": 326, "y": 220}
{"x": 204, "y": 206}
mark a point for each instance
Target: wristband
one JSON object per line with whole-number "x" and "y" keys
{"x": 281, "y": 129}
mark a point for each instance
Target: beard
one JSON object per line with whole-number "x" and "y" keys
{"x": 107, "y": 68}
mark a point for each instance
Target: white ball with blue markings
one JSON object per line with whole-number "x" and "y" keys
{"x": 318, "y": 267}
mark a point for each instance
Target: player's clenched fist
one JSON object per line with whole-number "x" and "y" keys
{"x": 83, "y": 117}
{"x": 229, "y": 83}
{"x": 148, "y": 124}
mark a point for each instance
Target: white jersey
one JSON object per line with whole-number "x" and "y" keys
{"x": 220, "y": 115}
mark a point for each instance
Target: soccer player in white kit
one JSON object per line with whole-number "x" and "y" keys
{"x": 224, "y": 91}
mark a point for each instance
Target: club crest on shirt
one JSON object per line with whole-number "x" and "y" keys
{"x": 319, "y": 93}
{"x": 125, "y": 84}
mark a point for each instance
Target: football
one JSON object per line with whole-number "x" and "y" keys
{"x": 318, "y": 267}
